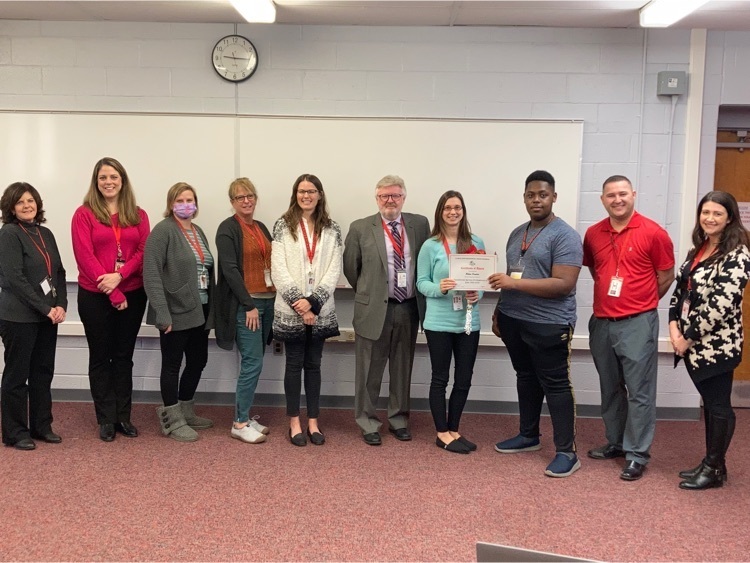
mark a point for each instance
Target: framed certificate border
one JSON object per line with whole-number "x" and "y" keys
{"x": 470, "y": 271}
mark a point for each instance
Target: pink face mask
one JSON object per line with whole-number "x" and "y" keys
{"x": 184, "y": 210}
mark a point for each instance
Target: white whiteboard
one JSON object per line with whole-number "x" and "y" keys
{"x": 487, "y": 161}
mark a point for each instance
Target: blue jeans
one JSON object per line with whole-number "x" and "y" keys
{"x": 252, "y": 346}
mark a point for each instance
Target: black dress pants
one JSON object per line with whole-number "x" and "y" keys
{"x": 305, "y": 354}
{"x": 111, "y": 336}
{"x": 25, "y": 397}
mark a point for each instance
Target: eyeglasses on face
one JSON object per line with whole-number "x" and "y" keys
{"x": 449, "y": 208}
{"x": 307, "y": 192}
{"x": 386, "y": 197}
{"x": 246, "y": 197}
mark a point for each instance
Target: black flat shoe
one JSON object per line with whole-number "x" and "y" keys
{"x": 455, "y": 446}
{"x": 316, "y": 438}
{"x": 25, "y": 444}
{"x": 297, "y": 439}
{"x": 107, "y": 432}
{"x": 126, "y": 429}
{"x": 471, "y": 445}
{"x": 607, "y": 451}
{"x": 49, "y": 437}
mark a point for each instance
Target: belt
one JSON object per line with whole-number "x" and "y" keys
{"x": 404, "y": 302}
{"x": 627, "y": 318}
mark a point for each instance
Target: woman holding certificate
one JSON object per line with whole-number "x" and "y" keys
{"x": 451, "y": 326}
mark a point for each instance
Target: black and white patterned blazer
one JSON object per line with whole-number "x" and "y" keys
{"x": 714, "y": 320}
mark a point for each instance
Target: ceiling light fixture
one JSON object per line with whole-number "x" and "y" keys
{"x": 663, "y": 13}
{"x": 256, "y": 11}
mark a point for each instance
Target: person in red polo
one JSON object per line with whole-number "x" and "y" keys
{"x": 631, "y": 259}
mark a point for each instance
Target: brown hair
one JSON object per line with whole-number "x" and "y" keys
{"x": 127, "y": 210}
{"x": 174, "y": 192}
{"x": 463, "y": 242}
{"x": 734, "y": 234}
{"x": 10, "y": 197}
{"x": 320, "y": 216}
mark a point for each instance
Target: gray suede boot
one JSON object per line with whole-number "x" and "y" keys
{"x": 193, "y": 420}
{"x": 173, "y": 424}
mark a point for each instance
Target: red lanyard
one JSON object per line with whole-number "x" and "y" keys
{"x": 524, "y": 246}
{"x": 117, "y": 231}
{"x": 397, "y": 248}
{"x": 196, "y": 245}
{"x": 256, "y": 233}
{"x": 447, "y": 248}
{"x": 42, "y": 249}
{"x": 310, "y": 253}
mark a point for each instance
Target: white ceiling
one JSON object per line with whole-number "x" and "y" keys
{"x": 717, "y": 14}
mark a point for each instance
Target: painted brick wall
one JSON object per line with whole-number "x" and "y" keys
{"x": 605, "y": 77}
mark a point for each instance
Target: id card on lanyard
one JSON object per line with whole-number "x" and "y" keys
{"x": 616, "y": 282}
{"x": 458, "y": 300}
{"x": 255, "y": 232}
{"x": 399, "y": 251}
{"x": 120, "y": 260}
{"x": 46, "y": 284}
{"x": 310, "y": 251}
{"x": 203, "y": 272}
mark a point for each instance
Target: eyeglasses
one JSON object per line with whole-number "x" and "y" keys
{"x": 307, "y": 192}
{"x": 395, "y": 197}
{"x": 448, "y": 208}
{"x": 241, "y": 198}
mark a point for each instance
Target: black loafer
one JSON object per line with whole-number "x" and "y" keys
{"x": 49, "y": 437}
{"x": 471, "y": 445}
{"x": 372, "y": 439}
{"x": 25, "y": 444}
{"x": 632, "y": 471}
{"x": 316, "y": 438}
{"x": 608, "y": 451}
{"x": 107, "y": 432}
{"x": 453, "y": 446}
{"x": 402, "y": 434}
{"x": 126, "y": 429}
{"x": 298, "y": 439}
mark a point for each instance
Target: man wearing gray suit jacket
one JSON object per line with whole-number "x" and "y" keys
{"x": 380, "y": 258}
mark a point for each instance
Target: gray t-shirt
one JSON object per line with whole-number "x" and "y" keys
{"x": 556, "y": 244}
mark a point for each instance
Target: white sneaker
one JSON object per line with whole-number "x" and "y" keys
{"x": 258, "y": 426}
{"x": 248, "y": 434}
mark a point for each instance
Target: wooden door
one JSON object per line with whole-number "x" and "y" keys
{"x": 732, "y": 175}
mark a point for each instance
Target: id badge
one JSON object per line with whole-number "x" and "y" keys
{"x": 516, "y": 272}
{"x": 458, "y": 302}
{"x": 685, "y": 309}
{"x": 267, "y": 277}
{"x": 46, "y": 286}
{"x": 203, "y": 279}
{"x": 401, "y": 278}
{"x": 615, "y": 287}
{"x": 119, "y": 264}
{"x": 310, "y": 283}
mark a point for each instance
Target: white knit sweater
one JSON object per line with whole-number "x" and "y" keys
{"x": 289, "y": 268}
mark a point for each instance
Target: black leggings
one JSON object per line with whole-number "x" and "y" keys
{"x": 716, "y": 393}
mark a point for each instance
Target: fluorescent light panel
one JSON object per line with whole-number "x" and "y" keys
{"x": 256, "y": 11}
{"x": 663, "y": 13}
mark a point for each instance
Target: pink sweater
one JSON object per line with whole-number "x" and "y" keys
{"x": 95, "y": 249}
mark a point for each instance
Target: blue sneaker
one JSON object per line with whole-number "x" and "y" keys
{"x": 518, "y": 444}
{"x": 563, "y": 465}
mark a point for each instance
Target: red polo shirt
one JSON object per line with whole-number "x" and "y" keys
{"x": 634, "y": 254}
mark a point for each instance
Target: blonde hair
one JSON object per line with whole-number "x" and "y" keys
{"x": 174, "y": 192}
{"x": 242, "y": 183}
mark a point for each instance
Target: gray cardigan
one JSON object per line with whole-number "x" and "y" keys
{"x": 171, "y": 281}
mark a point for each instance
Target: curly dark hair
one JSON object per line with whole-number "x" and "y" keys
{"x": 10, "y": 197}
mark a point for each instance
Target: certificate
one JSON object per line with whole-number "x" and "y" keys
{"x": 470, "y": 271}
